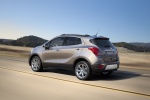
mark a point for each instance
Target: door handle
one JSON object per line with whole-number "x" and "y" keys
{"x": 78, "y": 49}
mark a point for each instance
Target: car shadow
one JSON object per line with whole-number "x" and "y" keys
{"x": 59, "y": 71}
{"x": 117, "y": 75}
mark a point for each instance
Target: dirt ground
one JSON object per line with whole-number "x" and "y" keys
{"x": 134, "y": 59}
{"x": 14, "y": 51}
{"x": 128, "y": 58}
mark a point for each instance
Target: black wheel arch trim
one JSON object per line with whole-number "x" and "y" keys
{"x": 81, "y": 59}
{"x": 31, "y": 56}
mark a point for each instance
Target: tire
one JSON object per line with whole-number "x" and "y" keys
{"x": 106, "y": 73}
{"x": 36, "y": 64}
{"x": 83, "y": 70}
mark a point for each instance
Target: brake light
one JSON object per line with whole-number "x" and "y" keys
{"x": 94, "y": 50}
{"x": 100, "y": 66}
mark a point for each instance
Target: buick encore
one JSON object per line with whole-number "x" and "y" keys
{"x": 84, "y": 54}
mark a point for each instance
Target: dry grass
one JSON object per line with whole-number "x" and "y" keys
{"x": 133, "y": 59}
{"x": 128, "y": 58}
{"x": 14, "y": 51}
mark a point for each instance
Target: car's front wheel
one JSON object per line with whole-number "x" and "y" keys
{"x": 82, "y": 70}
{"x": 36, "y": 64}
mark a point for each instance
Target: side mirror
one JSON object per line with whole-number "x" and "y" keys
{"x": 46, "y": 46}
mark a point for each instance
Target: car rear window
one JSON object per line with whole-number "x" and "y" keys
{"x": 102, "y": 42}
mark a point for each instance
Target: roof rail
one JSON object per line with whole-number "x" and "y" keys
{"x": 75, "y": 35}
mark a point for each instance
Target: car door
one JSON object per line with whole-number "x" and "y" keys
{"x": 70, "y": 50}
{"x": 51, "y": 55}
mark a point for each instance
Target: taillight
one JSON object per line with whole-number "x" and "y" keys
{"x": 94, "y": 50}
{"x": 100, "y": 66}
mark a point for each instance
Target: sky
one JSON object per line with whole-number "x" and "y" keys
{"x": 120, "y": 20}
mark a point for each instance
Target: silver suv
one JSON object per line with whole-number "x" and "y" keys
{"x": 84, "y": 54}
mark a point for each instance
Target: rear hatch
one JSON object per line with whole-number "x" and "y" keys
{"x": 107, "y": 50}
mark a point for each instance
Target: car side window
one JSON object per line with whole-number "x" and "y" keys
{"x": 57, "y": 42}
{"x": 72, "y": 41}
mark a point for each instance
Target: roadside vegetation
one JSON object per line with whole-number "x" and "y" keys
{"x": 138, "y": 47}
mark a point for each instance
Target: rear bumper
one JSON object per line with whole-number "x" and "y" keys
{"x": 96, "y": 69}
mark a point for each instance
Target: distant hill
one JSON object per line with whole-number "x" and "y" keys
{"x": 27, "y": 41}
{"x": 6, "y": 41}
{"x": 138, "y": 47}
{"x": 120, "y": 44}
{"x": 33, "y": 41}
{"x": 139, "y": 44}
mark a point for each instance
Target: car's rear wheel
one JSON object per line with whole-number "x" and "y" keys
{"x": 82, "y": 70}
{"x": 36, "y": 64}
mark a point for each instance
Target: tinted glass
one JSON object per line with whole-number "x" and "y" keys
{"x": 57, "y": 42}
{"x": 72, "y": 41}
{"x": 102, "y": 42}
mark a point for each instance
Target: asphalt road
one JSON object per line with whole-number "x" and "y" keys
{"x": 19, "y": 82}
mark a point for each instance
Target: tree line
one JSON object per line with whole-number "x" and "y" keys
{"x": 33, "y": 41}
{"x": 140, "y": 48}
{"x": 27, "y": 41}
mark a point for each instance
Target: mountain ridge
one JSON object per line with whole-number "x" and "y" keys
{"x": 27, "y": 41}
{"x": 33, "y": 41}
